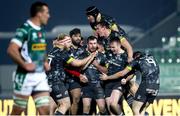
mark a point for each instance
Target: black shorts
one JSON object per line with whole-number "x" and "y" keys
{"x": 58, "y": 90}
{"x": 147, "y": 92}
{"x": 73, "y": 84}
{"x": 93, "y": 90}
{"x": 110, "y": 86}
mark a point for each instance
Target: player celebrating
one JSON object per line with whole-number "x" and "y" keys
{"x": 93, "y": 89}
{"x": 104, "y": 31}
{"x": 59, "y": 57}
{"x": 149, "y": 86}
{"x": 94, "y": 16}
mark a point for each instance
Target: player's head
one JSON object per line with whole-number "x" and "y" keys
{"x": 102, "y": 28}
{"x": 138, "y": 54}
{"x": 41, "y": 11}
{"x": 115, "y": 45}
{"x": 75, "y": 35}
{"x": 92, "y": 43}
{"x": 64, "y": 41}
{"x": 92, "y": 13}
{"x": 100, "y": 45}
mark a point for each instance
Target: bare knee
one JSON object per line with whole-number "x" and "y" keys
{"x": 65, "y": 103}
{"x": 76, "y": 99}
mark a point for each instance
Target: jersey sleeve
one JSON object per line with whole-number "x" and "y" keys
{"x": 122, "y": 35}
{"x": 132, "y": 65}
{"x": 68, "y": 58}
{"x": 104, "y": 61}
{"x": 20, "y": 36}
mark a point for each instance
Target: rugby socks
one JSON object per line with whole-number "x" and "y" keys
{"x": 129, "y": 100}
{"x": 58, "y": 113}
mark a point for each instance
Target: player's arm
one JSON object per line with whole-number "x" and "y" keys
{"x": 114, "y": 27}
{"x": 117, "y": 75}
{"x": 13, "y": 50}
{"x": 102, "y": 69}
{"x": 128, "y": 48}
{"x": 82, "y": 62}
{"x": 122, "y": 73}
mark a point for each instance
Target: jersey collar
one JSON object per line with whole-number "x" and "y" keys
{"x": 33, "y": 25}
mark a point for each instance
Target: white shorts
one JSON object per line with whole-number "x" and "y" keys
{"x": 26, "y": 83}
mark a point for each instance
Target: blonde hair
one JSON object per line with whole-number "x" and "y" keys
{"x": 61, "y": 36}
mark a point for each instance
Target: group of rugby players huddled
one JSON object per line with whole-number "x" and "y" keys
{"x": 102, "y": 68}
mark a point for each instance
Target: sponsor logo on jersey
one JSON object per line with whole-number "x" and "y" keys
{"x": 34, "y": 35}
{"x": 39, "y": 46}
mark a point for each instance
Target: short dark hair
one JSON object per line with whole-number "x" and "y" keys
{"x": 74, "y": 32}
{"x": 138, "y": 54}
{"x": 115, "y": 39}
{"x": 91, "y": 38}
{"x": 37, "y": 7}
{"x": 103, "y": 24}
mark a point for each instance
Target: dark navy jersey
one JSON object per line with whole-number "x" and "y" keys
{"x": 116, "y": 62}
{"x": 75, "y": 53}
{"x": 106, "y": 41}
{"x": 109, "y": 20}
{"x": 91, "y": 72}
{"x": 148, "y": 67}
{"x": 57, "y": 59}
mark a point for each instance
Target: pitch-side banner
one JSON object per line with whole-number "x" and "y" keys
{"x": 169, "y": 106}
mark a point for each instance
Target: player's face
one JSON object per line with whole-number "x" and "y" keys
{"x": 91, "y": 19}
{"x": 44, "y": 15}
{"x": 100, "y": 30}
{"x": 92, "y": 45}
{"x": 114, "y": 46}
{"x": 100, "y": 48}
{"x": 76, "y": 39}
{"x": 68, "y": 43}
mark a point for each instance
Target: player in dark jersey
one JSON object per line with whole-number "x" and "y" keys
{"x": 149, "y": 86}
{"x": 104, "y": 31}
{"x": 73, "y": 81}
{"x": 94, "y": 16}
{"x": 59, "y": 57}
{"x": 117, "y": 59}
{"x": 93, "y": 89}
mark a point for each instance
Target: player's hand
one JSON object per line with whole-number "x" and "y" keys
{"x": 104, "y": 77}
{"x": 130, "y": 59}
{"x": 94, "y": 54}
{"x": 123, "y": 81}
{"x": 83, "y": 78}
{"x": 29, "y": 67}
{"x": 46, "y": 66}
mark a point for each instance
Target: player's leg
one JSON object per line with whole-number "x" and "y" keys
{"x": 86, "y": 105}
{"x": 87, "y": 96}
{"x": 143, "y": 108}
{"x": 75, "y": 92}
{"x": 99, "y": 95}
{"x": 63, "y": 106}
{"x": 139, "y": 99}
{"x": 22, "y": 91}
{"x": 52, "y": 106}
{"x": 20, "y": 104}
{"x": 114, "y": 100}
{"x": 41, "y": 100}
{"x": 41, "y": 94}
{"x": 102, "y": 106}
{"x": 108, "y": 105}
{"x": 136, "y": 106}
{"x": 60, "y": 94}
